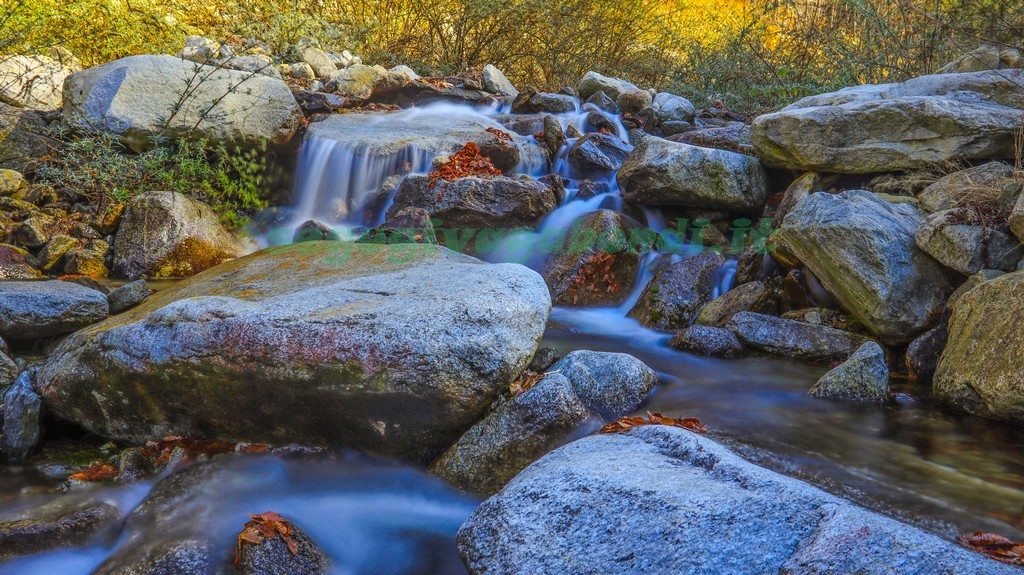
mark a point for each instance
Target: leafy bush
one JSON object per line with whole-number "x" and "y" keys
{"x": 100, "y": 169}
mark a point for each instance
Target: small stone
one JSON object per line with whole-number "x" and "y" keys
{"x": 127, "y": 296}
{"x": 863, "y": 377}
{"x": 543, "y": 359}
{"x": 707, "y": 341}
{"x": 32, "y": 233}
{"x": 89, "y": 260}
{"x": 21, "y": 419}
{"x": 52, "y": 253}
{"x": 10, "y": 182}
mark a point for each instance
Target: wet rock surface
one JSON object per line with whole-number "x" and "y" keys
{"x": 863, "y": 377}
{"x": 59, "y": 524}
{"x": 790, "y": 338}
{"x": 554, "y": 518}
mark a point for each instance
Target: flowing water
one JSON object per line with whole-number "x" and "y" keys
{"x": 947, "y": 472}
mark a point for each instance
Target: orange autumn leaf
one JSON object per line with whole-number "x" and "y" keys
{"x": 526, "y": 381}
{"x": 464, "y": 163}
{"x": 626, "y": 423}
{"x": 265, "y": 526}
{"x": 98, "y": 471}
{"x": 996, "y": 546}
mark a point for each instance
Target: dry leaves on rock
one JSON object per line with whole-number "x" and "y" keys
{"x": 995, "y": 546}
{"x": 98, "y": 471}
{"x": 464, "y": 163}
{"x": 526, "y": 381}
{"x": 502, "y": 137}
{"x": 626, "y": 423}
{"x": 265, "y": 526}
{"x": 161, "y": 450}
{"x": 597, "y": 269}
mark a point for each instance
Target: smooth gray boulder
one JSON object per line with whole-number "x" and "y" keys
{"x": 662, "y": 501}
{"x": 610, "y": 384}
{"x": 477, "y": 202}
{"x": 21, "y": 419}
{"x": 517, "y": 433}
{"x": 170, "y": 235}
{"x": 140, "y": 97}
{"x": 392, "y": 349}
{"x": 863, "y": 377}
{"x": 418, "y": 135}
{"x": 665, "y": 173}
{"x": 791, "y": 338}
{"x": 593, "y": 82}
{"x": 668, "y": 114}
{"x": 677, "y": 292}
{"x": 273, "y": 556}
{"x": 37, "y": 309}
{"x": 891, "y": 127}
{"x": 862, "y": 250}
{"x": 959, "y": 240}
{"x": 707, "y": 340}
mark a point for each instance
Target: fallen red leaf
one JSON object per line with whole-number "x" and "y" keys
{"x": 162, "y": 450}
{"x": 98, "y": 471}
{"x": 265, "y": 526}
{"x": 464, "y": 163}
{"x": 626, "y": 423}
{"x": 996, "y": 546}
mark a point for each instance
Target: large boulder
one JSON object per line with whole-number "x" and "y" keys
{"x": 890, "y": 127}
{"x": 62, "y": 523}
{"x": 792, "y": 338}
{"x": 863, "y": 252}
{"x": 668, "y": 114}
{"x": 708, "y": 341}
{"x": 677, "y": 292}
{"x": 33, "y": 82}
{"x": 660, "y": 500}
{"x": 21, "y": 418}
{"x": 33, "y": 309}
{"x": 393, "y": 349}
{"x": 665, "y": 173}
{"x": 422, "y": 134}
{"x": 753, "y": 296}
{"x": 596, "y": 156}
{"x": 477, "y": 202}
{"x": 140, "y": 97}
{"x": 610, "y": 384}
{"x": 979, "y": 370}
{"x": 397, "y": 89}
{"x": 985, "y": 57}
{"x": 23, "y": 139}
{"x": 16, "y": 264}
{"x": 495, "y": 82}
{"x": 167, "y": 234}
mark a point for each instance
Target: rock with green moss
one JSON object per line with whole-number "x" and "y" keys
{"x": 392, "y": 349}
{"x": 862, "y": 250}
{"x": 17, "y": 264}
{"x": 168, "y": 235}
{"x": 979, "y": 370}
{"x": 677, "y": 292}
{"x": 88, "y": 259}
{"x": 666, "y": 173}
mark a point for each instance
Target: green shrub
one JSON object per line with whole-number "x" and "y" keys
{"x": 98, "y": 167}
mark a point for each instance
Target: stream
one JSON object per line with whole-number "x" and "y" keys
{"x": 950, "y": 473}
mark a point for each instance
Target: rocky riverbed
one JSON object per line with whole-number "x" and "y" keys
{"x": 469, "y": 282}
